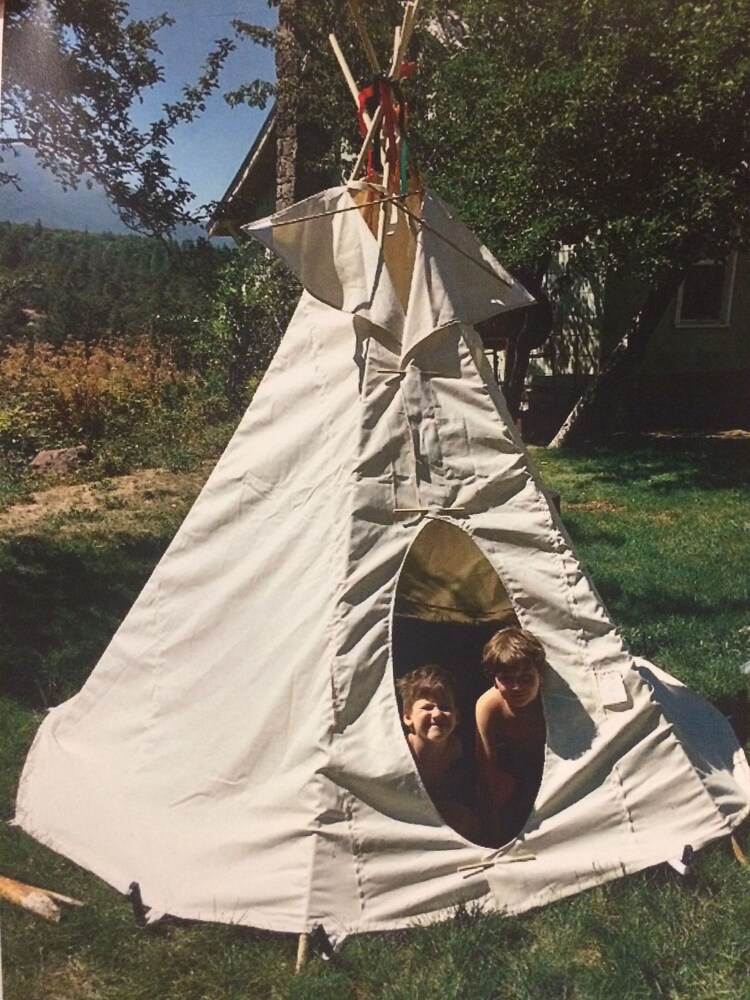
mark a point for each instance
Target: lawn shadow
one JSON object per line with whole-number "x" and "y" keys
{"x": 647, "y": 605}
{"x": 736, "y": 709}
{"x": 671, "y": 463}
{"x": 61, "y": 601}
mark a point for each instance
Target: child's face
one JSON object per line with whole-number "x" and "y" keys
{"x": 519, "y": 686}
{"x": 432, "y": 718}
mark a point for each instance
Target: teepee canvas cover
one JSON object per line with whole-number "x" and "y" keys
{"x": 238, "y": 750}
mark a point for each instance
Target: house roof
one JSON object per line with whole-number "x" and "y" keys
{"x": 251, "y": 192}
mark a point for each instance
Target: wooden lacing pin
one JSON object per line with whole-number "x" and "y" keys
{"x": 403, "y": 371}
{"x": 429, "y": 510}
{"x": 482, "y": 866}
{"x": 475, "y": 869}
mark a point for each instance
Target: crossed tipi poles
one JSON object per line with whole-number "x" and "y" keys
{"x": 385, "y": 133}
{"x": 385, "y": 126}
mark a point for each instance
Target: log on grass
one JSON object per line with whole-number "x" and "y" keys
{"x": 43, "y": 902}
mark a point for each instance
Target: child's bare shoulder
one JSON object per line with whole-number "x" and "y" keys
{"x": 490, "y": 708}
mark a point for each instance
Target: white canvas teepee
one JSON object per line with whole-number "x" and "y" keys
{"x": 238, "y": 750}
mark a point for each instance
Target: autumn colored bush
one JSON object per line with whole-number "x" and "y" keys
{"x": 120, "y": 399}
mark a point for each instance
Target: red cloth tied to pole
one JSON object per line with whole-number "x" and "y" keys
{"x": 363, "y": 97}
{"x": 381, "y": 93}
{"x": 392, "y": 151}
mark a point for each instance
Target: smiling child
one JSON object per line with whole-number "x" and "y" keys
{"x": 430, "y": 715}
{"x": 511, "y": 733}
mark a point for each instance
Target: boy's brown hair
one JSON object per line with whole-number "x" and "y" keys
{"x": 424, "y": 682}
{"x": 512, "y": 649}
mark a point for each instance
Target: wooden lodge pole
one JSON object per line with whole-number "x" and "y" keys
{"x": 374, "y": 126}
{"x": 348, "y": 76}
{"x": 407, "y": 29}
{"x": 372, "y": 56}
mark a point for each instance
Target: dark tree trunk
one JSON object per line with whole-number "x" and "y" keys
{"x": 588, "y": 417}
{"x": 535, "y": 329}
{"x": 288, "y": 62}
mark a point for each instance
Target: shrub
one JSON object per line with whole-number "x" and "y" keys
{"x": 120, "y": 399}
{"x": 254, "y": 302}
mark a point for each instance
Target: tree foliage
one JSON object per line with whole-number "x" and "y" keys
{"x": 74, "y": 70}
{"x": 617, "y": 128}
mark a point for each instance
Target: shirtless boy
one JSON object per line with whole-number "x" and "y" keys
{"x": 430, "y": 715}
{"x": 510, "y": 733}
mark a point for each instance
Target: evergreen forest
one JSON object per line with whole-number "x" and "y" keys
{"x": 57, "y": 285}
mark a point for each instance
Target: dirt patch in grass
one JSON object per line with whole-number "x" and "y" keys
{"x": 737, "y": 434}
{"x": 121, "y": 499}
{"x": 601, "y": 506}
{"x": 589, "y": 956}
{"x": 71, "y": 980}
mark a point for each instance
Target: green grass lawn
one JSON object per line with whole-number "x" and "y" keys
{"x": 664, "y": 529}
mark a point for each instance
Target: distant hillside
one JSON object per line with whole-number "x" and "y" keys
{"x": 60, "y": 284}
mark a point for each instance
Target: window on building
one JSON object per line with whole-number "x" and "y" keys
{"x": 705, "y": 296}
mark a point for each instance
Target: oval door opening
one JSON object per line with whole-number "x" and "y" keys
{"x": 449, "y": 603}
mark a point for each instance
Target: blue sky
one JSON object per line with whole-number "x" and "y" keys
{"x": 207, "y": 153}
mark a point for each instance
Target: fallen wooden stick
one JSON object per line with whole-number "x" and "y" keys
{"x": 39, "y": 901}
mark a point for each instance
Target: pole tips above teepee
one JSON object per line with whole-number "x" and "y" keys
{"x": 381, "y": 107}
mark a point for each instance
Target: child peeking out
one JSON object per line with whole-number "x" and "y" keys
{"x": 511, "y": 733}
{"x": 430, "y": 715}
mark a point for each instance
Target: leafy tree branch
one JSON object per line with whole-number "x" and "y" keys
{"x": 74, "y": 71}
